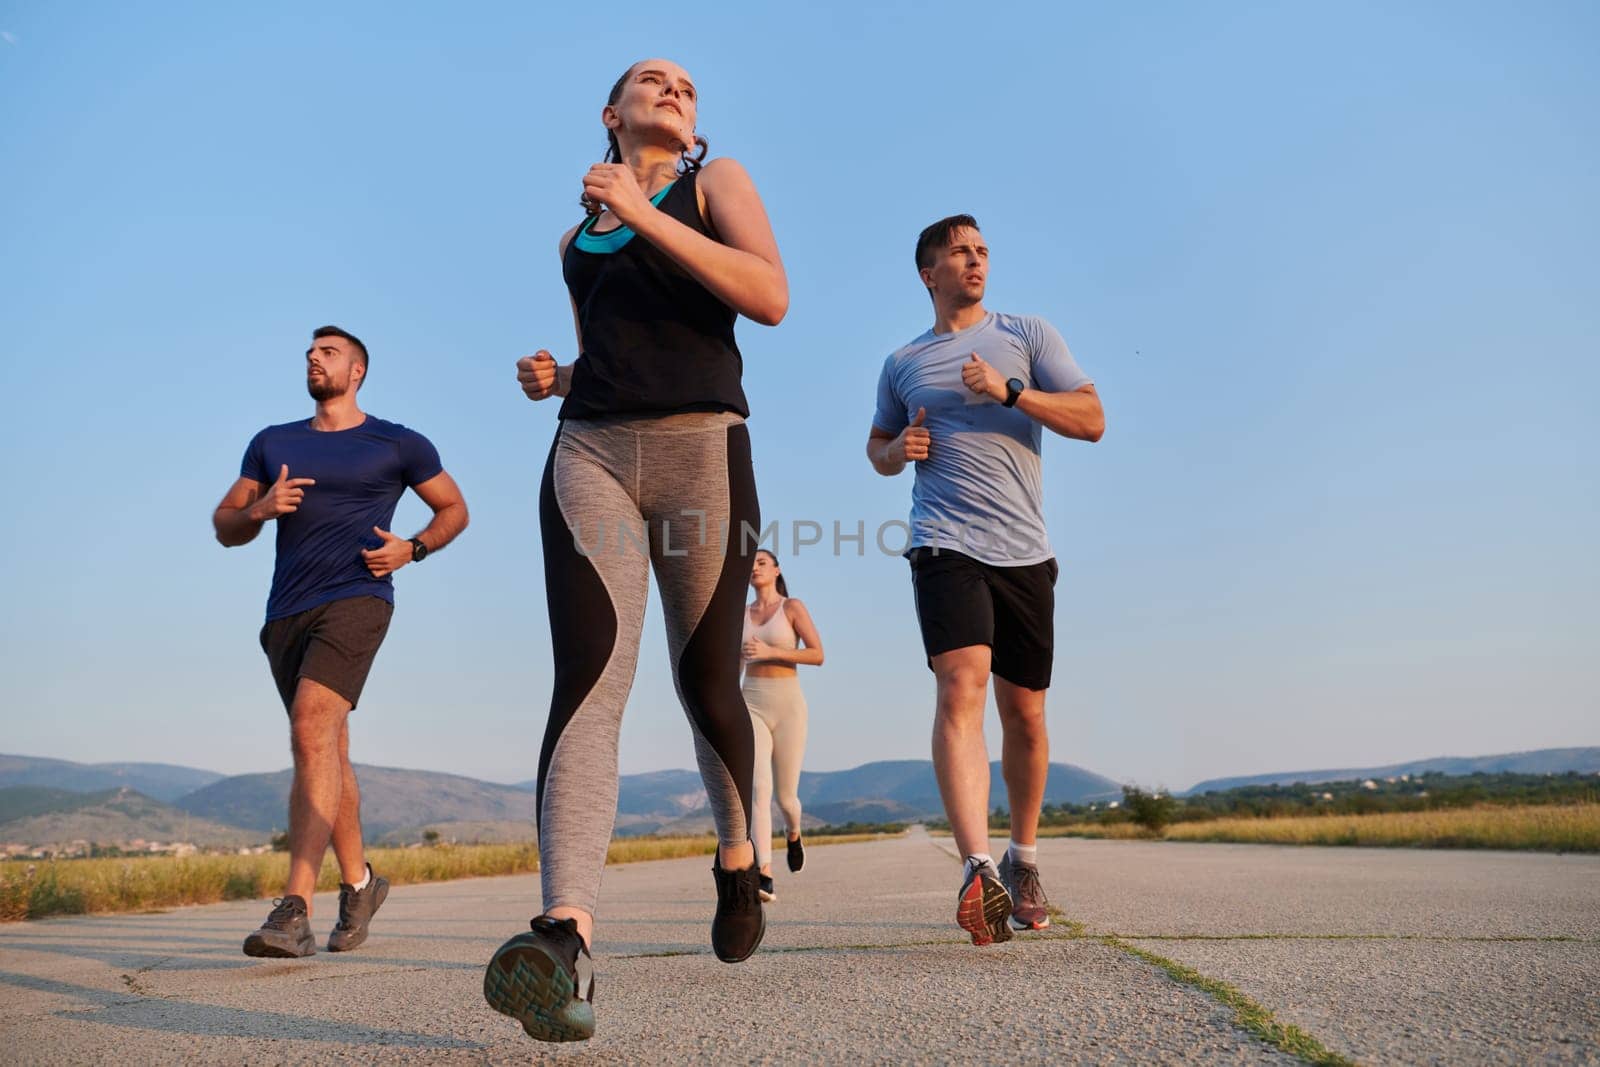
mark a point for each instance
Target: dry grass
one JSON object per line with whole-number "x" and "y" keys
{"x": 1537, "y": 827}
{"x": 76, "y": 887}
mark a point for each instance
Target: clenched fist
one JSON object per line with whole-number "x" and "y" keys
{"x": 537, "y": 374}
{"x": 983, "y": 379}
{"x": 613, "y": 186}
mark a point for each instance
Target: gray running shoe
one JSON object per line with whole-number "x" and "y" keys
{"x": 356, "y": 910}
{"x": 286, "y": 934}
{"x": 544, "y": 979}
{"x": 1030, "y": 908}
{"x": 983, "y": 906}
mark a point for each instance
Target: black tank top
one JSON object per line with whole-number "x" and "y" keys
{"x": 654, "y": 340}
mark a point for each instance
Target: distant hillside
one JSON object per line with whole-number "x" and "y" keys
{"x": 667, "y": 802}
{"x": 910, "y": 783}
{"x": 159, "y": 781}
{"x": 21, "y": 801}
{"x": 399, "y": 805}
{"x": 1540, "y": 761}
{"x": 111, "y": 817}
{"x": 391, "y": 800}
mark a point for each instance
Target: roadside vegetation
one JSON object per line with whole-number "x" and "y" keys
{"x": 1543, "y": 812}
{"x": 1542, "y": 827}
{"x": 38, "y": 889}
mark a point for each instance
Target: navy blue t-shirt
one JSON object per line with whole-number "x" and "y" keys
{"x": 361, "y": 474}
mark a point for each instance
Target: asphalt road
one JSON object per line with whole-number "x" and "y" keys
{"x": 1384, "y": 956}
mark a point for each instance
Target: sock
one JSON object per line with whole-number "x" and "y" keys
{"x": 1028, "y": 854}
{"x": 366, "y": 879}
{"x": 974, "y": 861}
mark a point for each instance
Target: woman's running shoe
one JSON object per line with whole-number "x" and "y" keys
{"x": 544, "y": 979}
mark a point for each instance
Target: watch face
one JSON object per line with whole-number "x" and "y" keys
{"x": 1015, "y": 385}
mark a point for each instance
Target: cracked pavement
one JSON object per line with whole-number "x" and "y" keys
{"x": 1384, "y": 956}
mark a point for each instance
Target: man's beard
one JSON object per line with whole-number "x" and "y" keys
{"x": 325, "y": 388}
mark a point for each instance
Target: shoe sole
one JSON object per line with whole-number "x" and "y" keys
{"x": 379, "y": 895}
{"x": 1021, "y": 924}
{"x": 796, "y": 868}
{"x": 983, "y": 913}
{"x": 528, "y": 984}
{"x": 261, "y": 948}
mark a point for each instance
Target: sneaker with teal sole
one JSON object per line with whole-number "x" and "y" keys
{"x": 544, "y": 979}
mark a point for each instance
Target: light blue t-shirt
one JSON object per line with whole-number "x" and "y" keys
{"x": 980, "y": 490}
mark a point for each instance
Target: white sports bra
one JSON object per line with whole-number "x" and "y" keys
{"x": 776, "y": 631}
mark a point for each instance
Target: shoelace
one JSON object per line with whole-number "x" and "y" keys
{"x": 1028, "y": 886}
{"x": 283, "y": 913}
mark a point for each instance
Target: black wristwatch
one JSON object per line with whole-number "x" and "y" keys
{"x": 1014, "y": 388}
{"x": 419, "y": 551}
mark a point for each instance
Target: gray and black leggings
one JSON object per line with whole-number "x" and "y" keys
{"x": 621, "y": 495}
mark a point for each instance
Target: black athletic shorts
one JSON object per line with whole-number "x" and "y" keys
{"x": 332, "y": 643}
{"x": 962, "y": 601}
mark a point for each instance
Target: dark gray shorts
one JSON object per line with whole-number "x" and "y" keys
{"x": 332, "y": 644}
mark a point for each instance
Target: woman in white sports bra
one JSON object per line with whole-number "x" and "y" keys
{"x": 775, "y": 626}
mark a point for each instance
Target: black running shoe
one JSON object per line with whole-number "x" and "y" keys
{"x": 286, "y": 934}
{"x": 797, "y": 856}
{"x": 740, "y": 922}
{"x": 545, "y": 981}
{"x": 768, "y": 892}
{"x": 356, "y": 909}
{"x": 984, "y": 907}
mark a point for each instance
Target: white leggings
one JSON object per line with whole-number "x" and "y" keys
{"x": 778, "y": 716}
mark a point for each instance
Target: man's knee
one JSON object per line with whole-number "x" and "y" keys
{"x": 962, "y": 674}
{"x": 1025, "y": 717}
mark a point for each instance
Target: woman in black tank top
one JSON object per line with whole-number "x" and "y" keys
{"x": 650, "y": 471}
{"x": 654, "y": 317}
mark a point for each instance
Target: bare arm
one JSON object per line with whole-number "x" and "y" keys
{"x": 889, "y": 453}
{"x": 743, "y": 270}
{"x": 449, "y": 518}
{"x": 234, "y": 521}
{"x": 449, "y": 511}
{"x": 1077, "y": 414}
{"x": 539, "y": 375}
{"x": 249, "y": 505}
{"x": 1074, "y": 414}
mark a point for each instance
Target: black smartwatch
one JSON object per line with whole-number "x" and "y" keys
{"x": 419, "y": 551}
{"x": 1014, "y": 388}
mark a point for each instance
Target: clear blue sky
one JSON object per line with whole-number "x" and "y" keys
{"x": 1333, "y": 268}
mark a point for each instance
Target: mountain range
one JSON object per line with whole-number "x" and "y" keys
{"x": 159, "y": 781}
{"x": 50, "y": 801}
{"x": 1539, "y": 761}
{"x": 86, "y": 801}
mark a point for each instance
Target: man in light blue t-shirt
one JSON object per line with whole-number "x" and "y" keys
{"x": 967, "y": 402}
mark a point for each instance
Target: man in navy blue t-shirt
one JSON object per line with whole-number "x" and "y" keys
{"x": 331, "y": 483}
